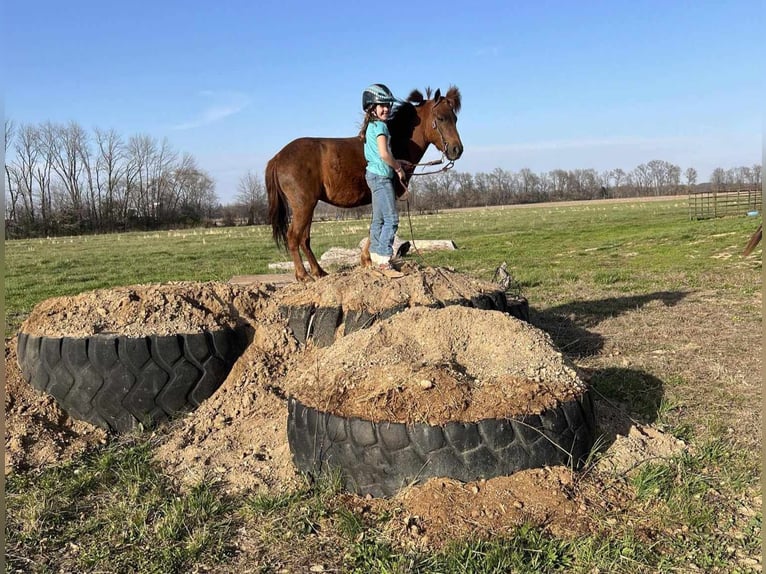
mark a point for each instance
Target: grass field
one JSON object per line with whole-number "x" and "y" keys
{"x": 663, "y": 311}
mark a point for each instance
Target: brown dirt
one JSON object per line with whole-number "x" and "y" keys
{"x": 367, "y": 289}
{"x": 37, "y": 432}
{"x": 141, "y": 310}
{"x": 239, "y": 434}
{"x": 435, "y": 366}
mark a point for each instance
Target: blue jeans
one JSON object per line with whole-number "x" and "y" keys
{"x": 385, "y": 218}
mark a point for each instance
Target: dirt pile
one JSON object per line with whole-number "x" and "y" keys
{"x": 435, "y": 366}
{"x": 38, "y": 432}
{"x": 372, "y": 291}
{"x": 141, "y": 310}
{"x": 239, "y": 434}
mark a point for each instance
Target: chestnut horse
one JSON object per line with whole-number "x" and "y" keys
{"x": 332, "y": 170}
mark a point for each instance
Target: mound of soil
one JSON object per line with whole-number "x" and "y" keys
{"x": 436, "y": 366}
{"x": 239, "y": 434}
{"x": 494, "y": 507}
{"x": 142, "y": 310}
{"x": 368, "y": 289}
{"x": 37, "y": 431}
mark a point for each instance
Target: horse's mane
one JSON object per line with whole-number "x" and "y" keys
{"x": 403, "y": 123}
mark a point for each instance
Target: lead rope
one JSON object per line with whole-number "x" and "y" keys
{"x": 422, "y": 260}
{"x": 449, "y": 165}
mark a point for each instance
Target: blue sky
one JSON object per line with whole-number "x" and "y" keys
{"x": 545, "y": 84}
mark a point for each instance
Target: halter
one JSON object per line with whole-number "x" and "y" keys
{"x": 450, "y": 163}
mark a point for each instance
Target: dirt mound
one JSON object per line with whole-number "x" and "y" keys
{"x": 436, "y": 366}
{"x": 239, "y": 434}
{"x": 154, "y": 309}
{"x": 37, "y": 432}
{"x": 370, "y": 290}
{"x": 440, "y": 509}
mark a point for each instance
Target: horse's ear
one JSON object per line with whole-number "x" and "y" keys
{"x": 415, "y": 97}
{"x": 437, "y": 96}
{"x": 453, "y": 97}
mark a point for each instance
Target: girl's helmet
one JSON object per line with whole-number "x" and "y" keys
{"x": 376, "y": 94}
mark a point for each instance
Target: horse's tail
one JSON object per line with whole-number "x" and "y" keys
{"x": 278, "y": 212}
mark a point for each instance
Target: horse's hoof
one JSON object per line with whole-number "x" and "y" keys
{"x": 304, "y": 278}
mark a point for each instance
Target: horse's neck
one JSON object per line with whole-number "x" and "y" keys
{"x": 417, "y": 146}
{"x": 418, "y": 143}
{"x": 414, "y": 147}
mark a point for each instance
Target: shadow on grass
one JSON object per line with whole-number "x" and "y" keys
{"x": 630, "y": 396}
{"x": 568, "y": 324}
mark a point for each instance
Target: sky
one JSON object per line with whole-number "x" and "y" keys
{"x": 545, "y": 84}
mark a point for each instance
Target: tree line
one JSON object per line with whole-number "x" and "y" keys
{"x": 62, "y": 180}
{"x": 452, "y": 189}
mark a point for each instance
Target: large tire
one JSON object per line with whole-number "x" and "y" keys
{"x": 120, "y": 383}
{"x": 380, "y": 458}
{"x": 320, "y": 324}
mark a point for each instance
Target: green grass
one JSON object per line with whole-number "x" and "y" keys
{"x": 113, "y": 511}
{"x": 632, "y": 247}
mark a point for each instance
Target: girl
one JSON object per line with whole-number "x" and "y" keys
{"x": 381, "y": 169}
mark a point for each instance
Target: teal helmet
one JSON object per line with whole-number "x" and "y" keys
{"x": 376, "y": 94}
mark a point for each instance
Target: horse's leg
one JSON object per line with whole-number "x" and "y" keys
{"x": 299, "y": 226}
{"x": 365, "y": 259}
{"x": 316, "y": 270}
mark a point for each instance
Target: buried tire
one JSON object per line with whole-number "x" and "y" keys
{"x": 121, "y": 383}
{"x": 322, "y": 324}
{"x": 381, "y": 458}
{"x": 325, "y": 311}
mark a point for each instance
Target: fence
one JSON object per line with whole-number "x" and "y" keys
{"x": 708, "y": 204}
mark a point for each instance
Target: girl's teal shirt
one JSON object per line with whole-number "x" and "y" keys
{"x": 375, "y": 163}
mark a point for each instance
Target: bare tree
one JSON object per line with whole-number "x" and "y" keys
{"x": 691, "y": 177}
{"x": 663, "y": 177}
{"x": 27, "y": 150}
{"x": 149, "y": 167}
{"x": 161, "y": 184}
{"x": 619, "y": 178}
{"x": 483, "y": 185}
{"x": 465, "y": 189}
{"x": 46, "y": 143}
{"x": 640, "y": 179}
{"x": 110, "y": 169}
{"x": 530, "y": 184}
{"x": 141, "y": 149}
{"x": 251, "y": 196}
{"x": 193, "y": 194}
{"x": 69, "y": 145}
{"x": 503, "y": 183}
{"x": 559, "y": 179}
{"x": 718, "y": 179}
{"x": 10, "y": 207}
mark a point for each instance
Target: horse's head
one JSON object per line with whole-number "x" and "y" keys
{"x": 441, "y": 123}
{"x": 419, "y": 122}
